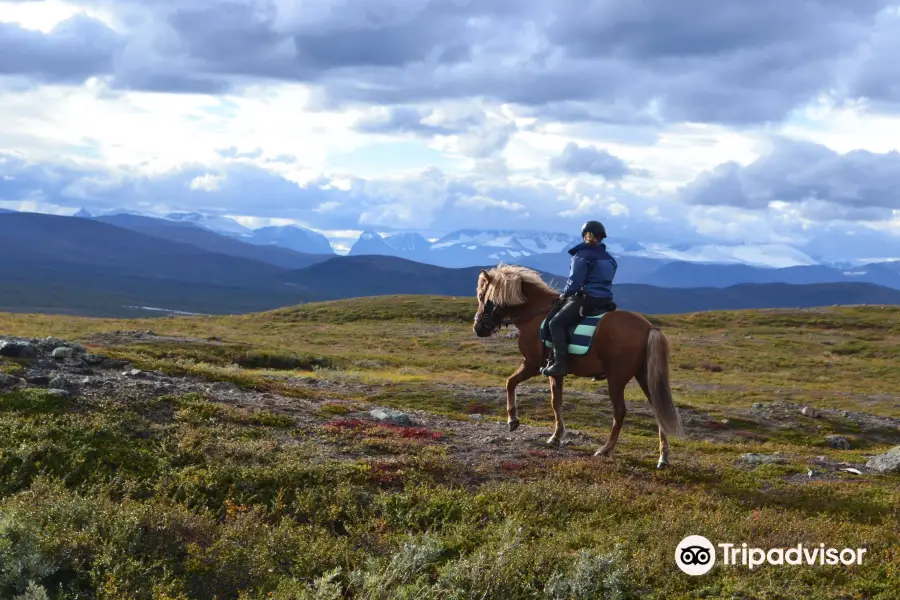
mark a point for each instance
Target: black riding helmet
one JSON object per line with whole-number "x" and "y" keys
{"x": 595, "y": 227}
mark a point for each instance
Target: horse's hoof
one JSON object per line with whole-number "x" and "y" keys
{"x": 663, "y": 464}
{"x": 603, "y": 453}
{"x": 514, "y": 424}
{"x": 553, "y": 441}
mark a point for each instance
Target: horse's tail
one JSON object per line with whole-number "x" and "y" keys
{"x": 658, "y": 383}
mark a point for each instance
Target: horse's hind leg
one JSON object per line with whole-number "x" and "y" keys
{"x": 559, "y": 430}
{"x": 663, "y": 441}
{"x": 524, "y": 372}
{"x": 617, "y": 397}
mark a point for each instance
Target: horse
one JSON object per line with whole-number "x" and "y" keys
{"x": 625, "y": 346}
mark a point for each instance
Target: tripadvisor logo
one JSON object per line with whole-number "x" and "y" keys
{"x": 696, "y": 555}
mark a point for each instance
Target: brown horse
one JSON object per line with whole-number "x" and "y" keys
{"x": 625, "y": 346}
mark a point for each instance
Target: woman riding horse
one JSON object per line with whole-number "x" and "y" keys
{"x": 589, "y": 286}
{"x": 625, "y": 346}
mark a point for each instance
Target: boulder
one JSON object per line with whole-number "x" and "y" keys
{"x": 889, "y": 462}
{"x": 389, "y": 415}
{"x": 63, "y": 353}
{"x": 837, "y": 441}
{"x": 17, "y": 349}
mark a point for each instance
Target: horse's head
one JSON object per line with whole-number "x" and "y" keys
{"x": 487, "y": 321}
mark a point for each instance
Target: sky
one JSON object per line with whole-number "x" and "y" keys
{"x": 672, "y": 121}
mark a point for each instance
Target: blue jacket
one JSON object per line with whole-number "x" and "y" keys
{"x": 592, "y": 271}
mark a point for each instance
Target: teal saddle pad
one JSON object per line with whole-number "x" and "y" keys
{"x": 580, "y": 334}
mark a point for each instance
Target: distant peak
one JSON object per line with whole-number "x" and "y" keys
{"x": 83, "y": 213}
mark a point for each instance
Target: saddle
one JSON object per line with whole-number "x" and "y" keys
{"x": 581, "y": 333}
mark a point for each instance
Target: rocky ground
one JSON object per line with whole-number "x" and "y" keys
{"x": 482, "y": 443}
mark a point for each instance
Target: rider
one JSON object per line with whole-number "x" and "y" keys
{"x": 589, "y": 285}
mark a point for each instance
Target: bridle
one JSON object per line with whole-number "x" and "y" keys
{"x": 487, "y": 318}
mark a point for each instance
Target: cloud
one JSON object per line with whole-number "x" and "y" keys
{"x": 402, "y": 119}
{"x": 729, "y": 62}
{"x": 577, "y": 159}
{"x": 429, "y": 199}
{"x": 207, "y": 182}
{"x": 816, "y": 182}
{"x": 75, "y": 49}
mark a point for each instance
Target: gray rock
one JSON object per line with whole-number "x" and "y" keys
{"x": 92, "y": 360}
{"x": 837, "y": 441}
{"x": 763, "y": 459}
{"x": 59, "y": 383}
{"x": 389, "y": 415}
{"x": 113, "y": 363}
{"x": 62, "y": 353}
{"x": 809, "y": 411}
{"x": 134, "y": 373}
{"x": 889, "y": 462}
{"x": 17, "y": 349}
{"x": 59, "y": 393}
{"x": 8, "y": 381}
{"x": 476, "y": 417}
{"x": 757, "y": 405}
{"x": 49, "y": 343}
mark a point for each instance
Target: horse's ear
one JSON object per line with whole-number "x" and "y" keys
{"x": 485, "y": 274}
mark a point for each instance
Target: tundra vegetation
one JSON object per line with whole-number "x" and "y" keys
{"x": 238, "y": 457}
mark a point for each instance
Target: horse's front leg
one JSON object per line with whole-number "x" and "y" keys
{"x": 559, "y": 429}
{"x": 524, "y": 372}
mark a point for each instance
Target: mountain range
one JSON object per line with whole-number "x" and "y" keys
{"x": 678, "y": 266}
{"x": 134, "y": 265}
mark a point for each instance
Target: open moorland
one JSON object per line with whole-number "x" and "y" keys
{"x": 244, "y": 457}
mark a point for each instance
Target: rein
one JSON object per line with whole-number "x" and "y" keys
{"x": 507, "y": 321}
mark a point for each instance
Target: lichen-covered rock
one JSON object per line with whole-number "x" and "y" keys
{"x": 8, "y": 381}
{"x": 837, "y": 441}
{"x": 389, "y": 415}
{"x": 62, "y": 353}
{"x": 889, "y": 462}
{"x": 17, "y": 349}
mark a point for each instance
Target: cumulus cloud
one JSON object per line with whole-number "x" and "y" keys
{"x": 427, "y": 200}
{"x": 402, "y": 119}
{"x": 588, "y": 159}
{"x": 730, "y": 61}
{"x": 821, "y": 183}
{"x": 77, "y": 48}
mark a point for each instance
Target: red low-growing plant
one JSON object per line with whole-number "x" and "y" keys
{"x": 359, "y": 426}
{"x": 509, "y": 465}
{"x": 419, "y": 433}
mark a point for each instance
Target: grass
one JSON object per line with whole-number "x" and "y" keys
{"x": 183, "y": 497}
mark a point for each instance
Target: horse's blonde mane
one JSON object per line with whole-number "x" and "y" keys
{"x": 506, "y": 284}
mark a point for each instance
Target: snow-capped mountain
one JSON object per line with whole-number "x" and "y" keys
{"x": 370, "y": 242}
{"x": 292, "y": 237}
{"x": 408, "y": 243}
{"x": 469, "y": 247}
{"x": 512, "y": 241}
{"x": 215, "y": 223}
{"x": 757, "y": 255}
